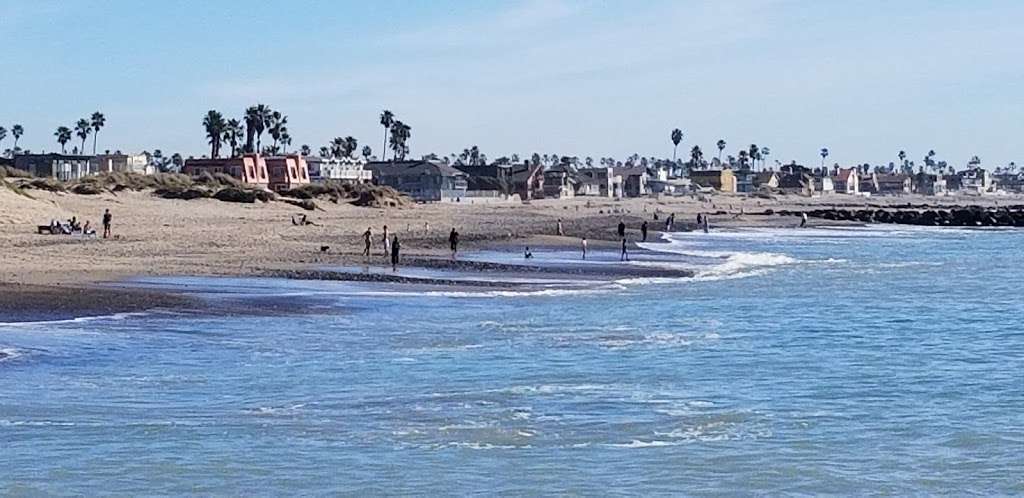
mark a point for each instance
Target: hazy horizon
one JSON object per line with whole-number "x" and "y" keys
{"x": 552, "y": 77}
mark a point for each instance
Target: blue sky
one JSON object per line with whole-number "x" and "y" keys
{"x": 597, "y": 78}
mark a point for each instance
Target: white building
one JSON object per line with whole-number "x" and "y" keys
{"x": 346, "y": 169}
{"x": 122, "y": 163}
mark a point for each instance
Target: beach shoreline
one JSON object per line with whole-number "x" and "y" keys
{"x": 153, "y": 237}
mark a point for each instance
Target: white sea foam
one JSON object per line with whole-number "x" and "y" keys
{"x": 81, "y": 319}
{"x": 7, "y": 354}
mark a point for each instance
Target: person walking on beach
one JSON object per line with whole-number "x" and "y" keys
{"x": 622, "y": 228}
{"x": 387, "y": 242}
{"x": 669, "y": 221}
{"x": 803, "y": 220}
{"x": 558, "y": 228}
{"x": 700, "y": 219}
{"x": 367, "y": 235}
{"x": 643, "y": 231}
{"x": 453, "y": 241}
{"x": 395, "y": 248}
{"x": 583, "y": 245}
{"x": 706, "y": 228}
{"x": 624, "y": 256}
{"x": 107, "y": 217}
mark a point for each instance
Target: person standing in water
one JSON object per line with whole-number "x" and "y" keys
{"x": 624, "y": 256}
{"x": 803, "y": 220}
{"x": 643, "y": 231}
{"x": 706, "y": 228}
{"x": 583, "y": 245}
{"x": 453, "y": 241}
{"x": 395, "y": 248}
{"x": 367, "y": 235}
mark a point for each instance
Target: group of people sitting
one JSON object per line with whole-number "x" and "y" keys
{"x": 75, "y": 227}
{"x": 72, "y": 227}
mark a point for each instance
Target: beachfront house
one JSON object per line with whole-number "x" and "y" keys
{"x": 528, "y": 180}
{"x": 350, "y": 170}
{"x": 424, "y": 181}
{"x": 248, "y": 168}
{"x": 796, "y": 183}
{"x": 929, "y": 184}
{"x": 748, "y": 180}
{"x": 868, "y": 183}
{"x": 560, "y": 182}
{"x": 893, "y": 184}
{"x": 599, "y": 182}
{"x": 287, "y": 172}
{"x": 122, "y": 163}
{"x": 63, "y": 167}
{"x": 976, "y": 181}
{"x": 846, "y": 181}
{"x": 823, "y": 184}
{"x": 1009, "y": 182}
{"x": 722, "y": 180}
{"x": 634, "y": 180}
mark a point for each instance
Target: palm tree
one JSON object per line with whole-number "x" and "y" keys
{"x": 17, "y": 131}
{"x": 82, "y": 129}
{"x": 349, "y": 146}
{"x": 677, "y": 136}
{"x": 325, "y": 152}
{"x": 903, "y": 156}
{"x": 275, "y": 125}
{"x": 214, "y": 124}
{"x": 257, "y": 119}
{"x": 97, "y": 121}
{"x": 755, "y": 154}
{"x": 387, "y": 118}
{"x": 400, "y": 133}
{"x": 696, "y": 157}
{"x": 233, "y": 135}
{"x": 824, "y": 154}
{"x": 63, "y": 135}
{"x": 721, "y": 147}
{"x": 743, "y": 158}
{"x": 3, "y": 134}
{"x": 765, "y": 151}
{"x": 286, "y": 140}
{"x": 177, "y": 161}
{"x": 367, "y": 152}
{"x": 305, "y": 150}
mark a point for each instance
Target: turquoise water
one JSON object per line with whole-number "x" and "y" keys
{"x": 847, "y": 361}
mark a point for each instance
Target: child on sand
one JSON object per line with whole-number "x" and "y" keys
{"x": 107, "y": 217}
{"x": 367, "y": 235}
{"x": 453, "y": 241}
{"x": 583, "y": 245}
{"x": 624, "y": 256}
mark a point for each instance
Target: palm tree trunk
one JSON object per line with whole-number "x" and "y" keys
{"x": 94, "y": 136}
{"x": 384, "y": 150}
{"x": 674, "y": 149}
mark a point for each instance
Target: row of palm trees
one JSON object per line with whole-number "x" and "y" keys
{"x": 258, "y": 119}
{"x": 16, "y": 131}
{"x": 396, "y": 135}
{"x": 83, "y": 128}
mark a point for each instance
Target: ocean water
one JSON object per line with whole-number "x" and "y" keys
{"x": 818, "y": 361}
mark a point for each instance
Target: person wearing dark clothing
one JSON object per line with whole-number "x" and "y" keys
{"x": 107, "y": 217}
{"x": 700, "y": 220}
{"x": 643, "y": 231}
{"x": 367, "y": 236}
{"x": 622, "y": 229}
{"x": 395, "y": 248}
{"x": 624, "y": 256}
{"x": 453, "y": 241}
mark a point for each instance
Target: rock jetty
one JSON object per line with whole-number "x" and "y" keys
{"x": 964, "y": 216}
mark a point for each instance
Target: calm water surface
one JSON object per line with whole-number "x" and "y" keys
{"x": 847, "y": 361}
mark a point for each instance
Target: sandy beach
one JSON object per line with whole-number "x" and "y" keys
{"x": 161, "y": 237}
